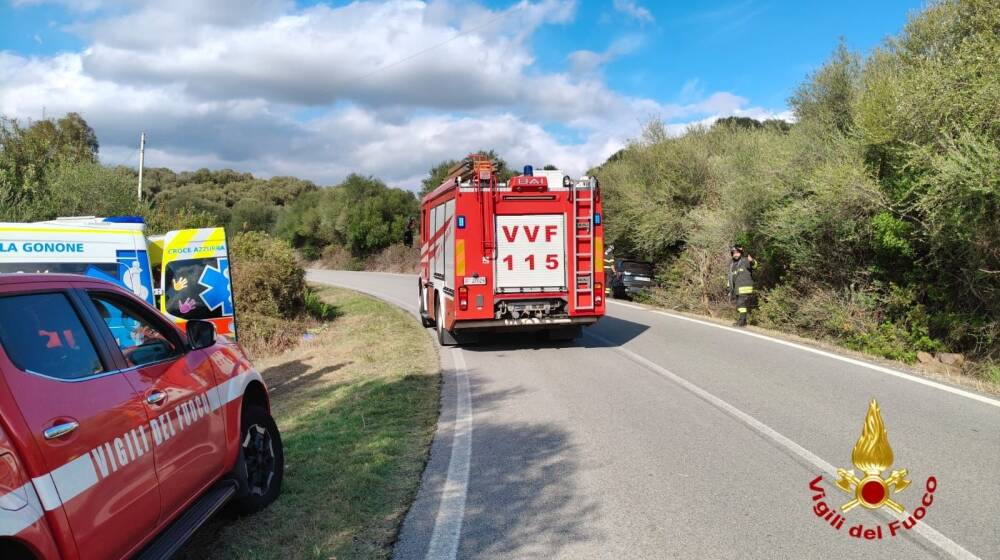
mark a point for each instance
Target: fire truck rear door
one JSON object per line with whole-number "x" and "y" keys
{"x": 195, "y": 278}
{"x": 531, "y": 253}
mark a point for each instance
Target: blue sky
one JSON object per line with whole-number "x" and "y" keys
{"x": 560, "y": 80}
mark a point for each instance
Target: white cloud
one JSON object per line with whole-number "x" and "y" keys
{"x": 632, "y": 9}
{"x": 589, "y": 62}
{"x": 390, "y": 88}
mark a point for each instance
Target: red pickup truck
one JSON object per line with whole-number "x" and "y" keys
{"x": 120, "y": 434}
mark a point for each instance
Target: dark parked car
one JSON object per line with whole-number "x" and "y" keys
{"x": 632, "y": 277}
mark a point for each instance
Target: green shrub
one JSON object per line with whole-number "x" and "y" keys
{"x": 267, "y": 277}
{"x": 319, "y": 309}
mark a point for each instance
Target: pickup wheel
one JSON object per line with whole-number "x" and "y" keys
{"x": 260, "y": 466}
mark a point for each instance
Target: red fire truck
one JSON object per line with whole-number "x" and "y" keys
{"x": 522, "y": 255}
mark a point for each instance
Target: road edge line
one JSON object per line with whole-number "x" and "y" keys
{"x": 451, "y": 508}
{"x": 854, "y": 361}
{"x": 932, "y": 535}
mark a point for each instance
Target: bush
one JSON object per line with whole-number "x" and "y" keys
{"x": 892, "y": 326}
{"x": 267, "y": 276}
{"x": 874, "y": 216}
{"x": 319, "y": 309}
{"x": 395, "y": 258}
{"x": 261, "y": 335}
{"x": 338, "y": 257}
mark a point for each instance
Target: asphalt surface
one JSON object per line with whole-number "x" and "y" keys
{"x": 658, "y": 437}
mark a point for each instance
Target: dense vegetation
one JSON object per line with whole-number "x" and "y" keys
{"x": 876, "y": 216}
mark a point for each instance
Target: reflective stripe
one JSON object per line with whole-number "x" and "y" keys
{"x": 47, "y": 492}
{"x": 50, "y": 491}
{"x": 13, "y": 521}
{"x": 74, "y": 477}
{"x": 233, "y": 389}
{"x": 745, "y": 290}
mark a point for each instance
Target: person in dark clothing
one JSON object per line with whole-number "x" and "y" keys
{"x": 408, "y": 234}
{"x": 741, "y": 281}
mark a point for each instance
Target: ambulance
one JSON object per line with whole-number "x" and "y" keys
{"x": 185, "y": 273}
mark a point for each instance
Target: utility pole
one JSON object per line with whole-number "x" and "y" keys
{"x": 142, "y": 154}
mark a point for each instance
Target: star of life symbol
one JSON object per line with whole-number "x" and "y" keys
{"x": 217, "y": 292}
{"x": 872, "y": 455}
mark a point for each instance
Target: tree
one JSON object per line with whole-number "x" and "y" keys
{"x": 437, "y": 174}
{"x": 29, "y": 155}
{"x": 828, "y": 95}
{"x": 745, "y": 123}
{"x": 250, "y": 214}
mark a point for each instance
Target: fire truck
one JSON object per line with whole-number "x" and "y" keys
{"x": 525, "y": 255}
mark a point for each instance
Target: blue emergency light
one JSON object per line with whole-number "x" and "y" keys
{"x": 460, "y": 222}
{"x": 124, "y": 220}
{"x": 597, "y": 219}
{"x": 529, "y": 171}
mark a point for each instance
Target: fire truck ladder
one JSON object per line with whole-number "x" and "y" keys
{"x": 582, "y": 198}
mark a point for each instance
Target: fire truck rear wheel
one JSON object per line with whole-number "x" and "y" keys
{"x": 425, "y": 320}
{"x": 260, "y": 467}
{"x": 445, "y": 337}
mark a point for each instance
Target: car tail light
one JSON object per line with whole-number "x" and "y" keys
{"x": 598, "y": 293}
{"x": 463, "y": 298}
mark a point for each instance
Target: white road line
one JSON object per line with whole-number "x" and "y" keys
{"x": 947, "y": 545}
{"x": 451, "y": 510}
{"x": 882, "y": 369}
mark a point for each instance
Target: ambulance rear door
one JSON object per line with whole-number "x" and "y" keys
{"x": 194, "y": 278}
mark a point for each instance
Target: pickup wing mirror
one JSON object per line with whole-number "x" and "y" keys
{"x": 201, "y": 334}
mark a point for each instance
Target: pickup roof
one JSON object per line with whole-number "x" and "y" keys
{"x": 120, "y": 434}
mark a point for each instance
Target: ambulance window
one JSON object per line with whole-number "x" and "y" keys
{"x": 42, "y": 333}
{"x": 182, "y": 290}
{"x": 141, "y": 340}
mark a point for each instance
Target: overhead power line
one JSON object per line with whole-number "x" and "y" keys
{"x": 438, "y": 45}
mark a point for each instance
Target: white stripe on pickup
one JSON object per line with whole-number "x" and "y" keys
{"x": 47, "y": 492}
{"x": 50, "y": 491}
{"x": 233, "y": 389}
{"x": 19, "y": 509}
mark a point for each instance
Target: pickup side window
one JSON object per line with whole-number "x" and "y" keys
{"x": 140, "y": 339}
{"x": 42, "y": 333}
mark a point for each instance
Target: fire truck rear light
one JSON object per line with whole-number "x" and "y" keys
{"x": 463, "y": 298}
{"x": 460, "y": 222}
{"x": 598, "y": 293}
{"x": 597, "y": 219}
{"x": 528, "y": 184}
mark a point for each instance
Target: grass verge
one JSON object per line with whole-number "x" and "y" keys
{"x": 357, "y": 406}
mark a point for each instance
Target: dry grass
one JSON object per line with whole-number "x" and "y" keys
{"x": 357, "y": 406}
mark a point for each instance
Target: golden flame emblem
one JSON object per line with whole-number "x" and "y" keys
{"x": 872, "y": 455}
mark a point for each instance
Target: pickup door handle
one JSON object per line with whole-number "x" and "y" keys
{"x": 156, "y": 397}
{"x": 59, "y": 430}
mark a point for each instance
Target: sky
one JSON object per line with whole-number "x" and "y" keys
{"x": 389, "y": 88}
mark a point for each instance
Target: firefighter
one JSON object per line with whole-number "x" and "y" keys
{"x": 408, "y": 233}
{"x": 741, "y": 281}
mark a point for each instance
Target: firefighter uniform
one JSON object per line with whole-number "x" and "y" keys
{"x": 741, "y": 285}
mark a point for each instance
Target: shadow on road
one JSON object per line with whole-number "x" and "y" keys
{"x": 619, "y": 331}
{"x": 523, "y": 497}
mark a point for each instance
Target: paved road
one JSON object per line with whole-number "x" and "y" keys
{"x": 656, "y": 436}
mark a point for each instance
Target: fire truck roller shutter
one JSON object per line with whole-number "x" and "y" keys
{"x": 448, "y": 239}
{"x": 437, "y": 254}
